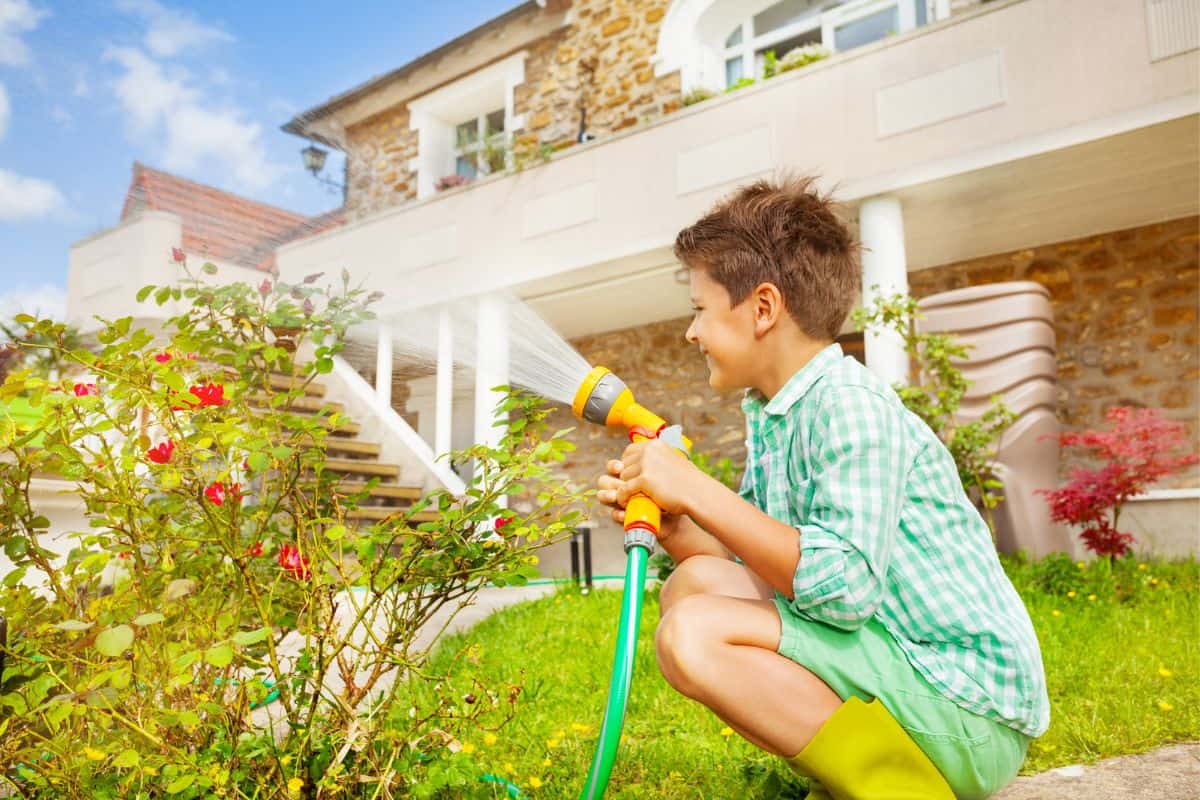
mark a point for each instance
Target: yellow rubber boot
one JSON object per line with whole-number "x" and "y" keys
{"x": 862, "y": 753}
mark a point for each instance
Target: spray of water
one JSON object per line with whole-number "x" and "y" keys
{"x": 539, "y": 359}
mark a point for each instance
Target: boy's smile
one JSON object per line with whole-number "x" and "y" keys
{"x": 725, "y": 335}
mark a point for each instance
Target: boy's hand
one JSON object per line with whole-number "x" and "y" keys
{"x": 656, "y": 468}
{"x": 610, "y": 485}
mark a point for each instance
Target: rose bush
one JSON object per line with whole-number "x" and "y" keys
{"x": 223, "y": 629}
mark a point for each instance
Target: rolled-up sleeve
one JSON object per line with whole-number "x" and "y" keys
{"x": 857, "y": 472}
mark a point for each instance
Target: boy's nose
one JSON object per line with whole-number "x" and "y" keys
{"x": 690, "y": 335}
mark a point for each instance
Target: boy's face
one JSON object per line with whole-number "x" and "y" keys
{"x": 725, "y": 335}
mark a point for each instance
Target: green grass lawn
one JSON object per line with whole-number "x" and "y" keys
{"x": 1120, "y": 647}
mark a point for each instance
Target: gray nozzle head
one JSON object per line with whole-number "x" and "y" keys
{"x": 600, "y": 401}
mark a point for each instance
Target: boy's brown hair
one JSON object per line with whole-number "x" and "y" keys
{"x": 786, "y": 233}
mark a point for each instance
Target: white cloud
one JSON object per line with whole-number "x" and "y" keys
{"x": 81, "y": 89}
{"x": 46, "y": 300}
{"x": 17, "y": 17}
{"x": 170, "y": 31}
{"x": 4, "y": 111}
{"x": 23, "y": 198}
{"x": 61, "y": 115}
{"x": 196, "y": 133}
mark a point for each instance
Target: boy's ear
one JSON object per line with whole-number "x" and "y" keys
{"x": 768, "y": 307}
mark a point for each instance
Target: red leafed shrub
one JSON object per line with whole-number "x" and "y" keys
{"x": 1140, "y": 448}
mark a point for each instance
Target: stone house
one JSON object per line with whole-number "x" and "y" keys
{"x": 555, "y": 151}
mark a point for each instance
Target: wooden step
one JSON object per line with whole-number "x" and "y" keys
{"x": 335, "y": 444}
{"x": 376, "y": 513}
{"x": 302, "y": 403}
{"x": 357, "y": 467}
{"x": 382, "y": 490}
{"x": 285, "y": 383}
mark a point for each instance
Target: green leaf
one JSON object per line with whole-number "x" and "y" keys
{"x": 128, "y": 758}
{"x": 112, "y": 642}
{"x": 73, "y": 625}
{"x": 144, "y": 292}
{"x": 173, "y": 380}
{"x": 162, "y": 294}
{"x": 179, "y": 784}
{"x": 180, "y": 587}
{"x": 251, "y": 637}
{"x": 281, "y": 452}
{"x": 219, "y": 656}
{"x": 336, "y": 532}
{"x": 209, "y": 268}
{"x": 149, "y": 619}
{"x": 258, "y": 461}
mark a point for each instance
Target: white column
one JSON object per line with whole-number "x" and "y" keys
{"x": 491, "y": 365}
{"x": 885, "y": 272}
{"x": 383, "y": 363}
{"x": 941, "y": 10}
{"x": 443, "y": 399}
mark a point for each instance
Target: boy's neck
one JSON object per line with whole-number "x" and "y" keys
{"x": 779, "y": 369}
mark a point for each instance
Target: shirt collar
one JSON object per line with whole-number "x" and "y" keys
{"x": 797, "y": 385}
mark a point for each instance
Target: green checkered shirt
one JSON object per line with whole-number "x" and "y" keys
{"x": 887, "y": 531}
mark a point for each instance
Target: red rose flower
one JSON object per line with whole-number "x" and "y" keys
{"x": 502, "y": 522}
{"x": 162, "y": 357}
{"x": 161, "y": 453}
{"x": 294, "y": 562}
{"x": 177, "y": 254}
{"x": 255, "y": 549}
{"x": 210, "y": 394}
{"x": 215, "y": 493}
{"x": 84, "y": 389}
{"x": 264, "y": 288}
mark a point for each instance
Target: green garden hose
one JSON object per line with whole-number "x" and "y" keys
{"x": 637, "y": 552}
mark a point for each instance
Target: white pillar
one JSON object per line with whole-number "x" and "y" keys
{"x": 383, "y": 363}
{"x": 941, "y": 10}
{"x": 491, "y": 365}
{"x": 885, "y": 272}
{"x": 443, "y": 414}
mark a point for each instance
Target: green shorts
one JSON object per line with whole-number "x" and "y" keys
{"x": 976, "y": 755}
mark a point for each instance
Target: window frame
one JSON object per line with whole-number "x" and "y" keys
{"x": 475, "y": 149}
{"x": 826, "y": 21}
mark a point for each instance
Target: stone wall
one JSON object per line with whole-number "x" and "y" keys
{"x": 378, "y": 153}
{"x": 1125, "y": 311}
{"x": 602, "y": 63}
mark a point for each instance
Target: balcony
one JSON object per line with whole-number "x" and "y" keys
{"x": 1022, "y": 123}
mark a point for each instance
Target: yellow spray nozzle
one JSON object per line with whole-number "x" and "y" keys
{"x": 604, "y": 399}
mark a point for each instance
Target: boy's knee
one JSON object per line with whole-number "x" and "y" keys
{"x": 681, "y": 644}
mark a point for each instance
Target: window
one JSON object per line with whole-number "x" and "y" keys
{"x": 478, "y": 145}
{"x": 835, "y": 24}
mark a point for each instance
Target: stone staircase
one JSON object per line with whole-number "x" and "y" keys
{"x": 354, "y": 460}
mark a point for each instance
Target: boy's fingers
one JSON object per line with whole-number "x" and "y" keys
{"x": 615, "y": 467}
{"x": 608, "y": 482}
{"x": 618, "y": 515}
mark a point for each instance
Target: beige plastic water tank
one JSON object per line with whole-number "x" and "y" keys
{"x": 1009, "y": 330}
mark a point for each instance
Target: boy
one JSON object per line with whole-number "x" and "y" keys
{"x": 845, "y": 610}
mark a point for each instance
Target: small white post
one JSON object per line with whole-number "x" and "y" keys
{"x": 443, "y": 415}
{"x": 491, "y": 366}
{"x": 383, "y": 363}
{"x": 885, "y": 272}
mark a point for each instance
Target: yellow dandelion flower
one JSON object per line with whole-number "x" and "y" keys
{"x": 285, "y": 760}
{"x": 1091, "y": 597}
{"x": 1080, "y": 564}
{"x": 468, "y": 748}
{"x": 578, "y": 728}
{"x": 1164, "y": 705}
{"x": 1154, "y": 581}
{"x": 675, "y": 775}
{"x": 508, "y": 767}
{"x": 727, "y": 731}
{"x": 1071, "y": 594}
{"x": 546, "y": 762}
{"x": 490, "y": 738}
{"x": 1142, "y": 567}
{"x": 558, "y": 734}
{"x": 93, "y": 754}
{"x": 1166, "y": 673}
{"x": 535, "y": 781}
{"x": 294, "y": 786}
{"x": 1056, "y": 613}
{"x": 552, "y": 743}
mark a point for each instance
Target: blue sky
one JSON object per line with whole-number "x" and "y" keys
{"x": 195, "y": 88}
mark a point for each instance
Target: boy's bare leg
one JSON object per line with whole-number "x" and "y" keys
{"x": 704, "y": 574}
{"x": 708, "y": 646}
